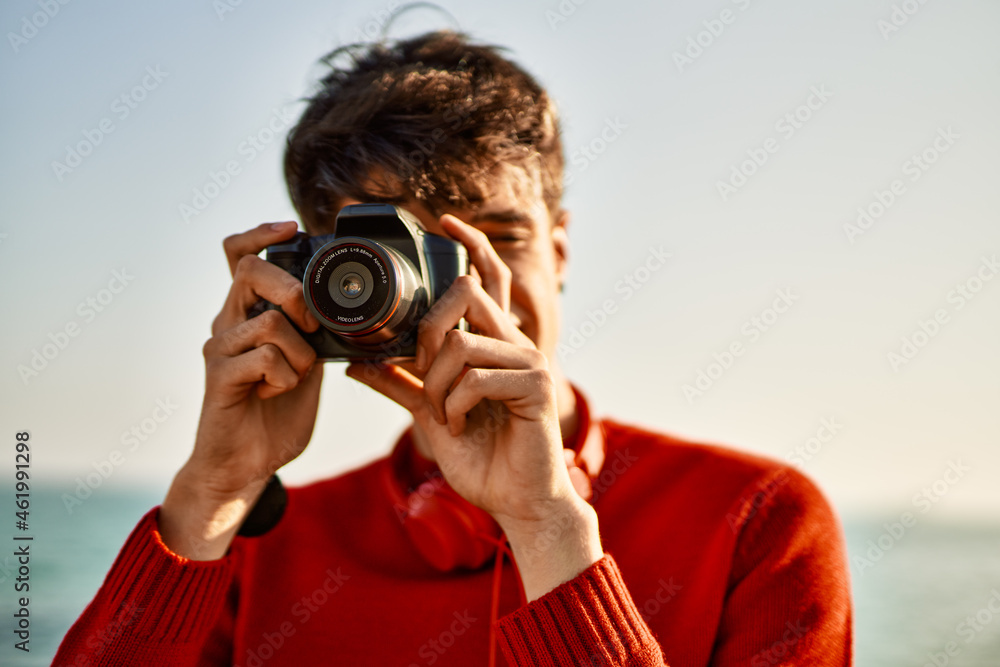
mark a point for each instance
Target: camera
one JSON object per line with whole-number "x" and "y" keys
{"x": 371, "y": 281}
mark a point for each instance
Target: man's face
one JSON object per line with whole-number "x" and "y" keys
{"x": 527, "y": 239}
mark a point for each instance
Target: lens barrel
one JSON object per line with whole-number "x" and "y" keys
{"x": 359, "y": 288}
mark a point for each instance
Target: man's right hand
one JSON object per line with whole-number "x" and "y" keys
{"x": 261, "y": 394}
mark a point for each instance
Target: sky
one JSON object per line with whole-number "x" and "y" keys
{"x": 784, "y": 234}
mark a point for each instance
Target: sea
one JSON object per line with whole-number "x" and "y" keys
{"x": 924, "y": 594}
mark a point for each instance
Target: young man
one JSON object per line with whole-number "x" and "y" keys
{"x": 631, "y": 548}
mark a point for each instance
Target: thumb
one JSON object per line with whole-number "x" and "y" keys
{"x": 579, "y": 478}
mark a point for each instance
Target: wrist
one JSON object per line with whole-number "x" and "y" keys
{"x": 554, "y": 550}
{"x": 198, "y": 519}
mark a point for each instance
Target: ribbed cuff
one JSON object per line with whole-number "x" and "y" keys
{"x": 590, "y": 620}
{"x": 169, "y": 598}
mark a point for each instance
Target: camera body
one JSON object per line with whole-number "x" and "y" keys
{"x": 371, "y": 281}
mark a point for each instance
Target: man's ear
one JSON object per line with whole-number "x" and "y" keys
{"x": 560, "y": 244}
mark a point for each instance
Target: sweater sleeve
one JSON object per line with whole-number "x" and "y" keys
{"x": 590, "y": 620}
{"x": 788, "y": 597}
{"x": 154, "y": 608}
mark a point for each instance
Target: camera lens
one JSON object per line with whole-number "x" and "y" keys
{"x": 362, "y": 289}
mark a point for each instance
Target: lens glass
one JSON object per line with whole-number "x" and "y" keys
{"x": 352, "y": 285}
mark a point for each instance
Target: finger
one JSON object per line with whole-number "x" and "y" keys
{"x": 580, "y": 480}
{"x": 257, "y": 279}
{"x": 270, "y": 327}
{"x": 526, "y": 393}
{"x": 229, "y": 378}
{"x": 253, "y": 241}
{"x": 511, "y": 314}
{"x": 463, "y": 350}
{"x": 313, "y": 378}
{"x": 465, "y": 298}
{"x": 391, "y": 381}
{"x": 495, "y": 275}
{"x": 581, "y": 483}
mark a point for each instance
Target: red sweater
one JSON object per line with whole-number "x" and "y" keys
{"x": 713, "y": 557}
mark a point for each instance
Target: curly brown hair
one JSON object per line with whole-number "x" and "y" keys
{"x": 431, "y": 117}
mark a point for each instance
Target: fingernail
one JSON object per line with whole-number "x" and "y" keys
{"x": 281, "y": 226}
{"x": 421, "y": 358}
